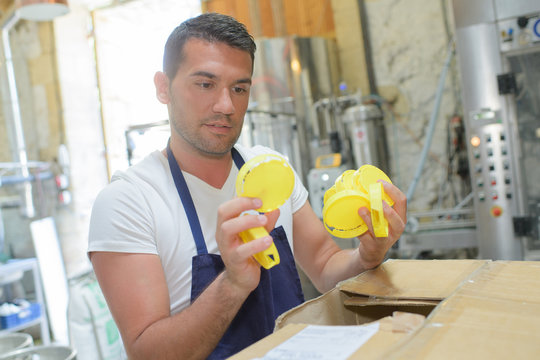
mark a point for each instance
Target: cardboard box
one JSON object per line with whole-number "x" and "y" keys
{"x": 472, "y": 308}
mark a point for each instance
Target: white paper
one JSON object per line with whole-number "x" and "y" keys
{"x": 323, "y": 343}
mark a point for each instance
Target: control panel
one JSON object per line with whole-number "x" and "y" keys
{"x": 491, "y": 163}
{"x": 320, "y": 180}
{"x": 520, "y": 32}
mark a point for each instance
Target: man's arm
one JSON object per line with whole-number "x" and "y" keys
{"x": 323, "y": 260}
{"x": 136, "y": 291}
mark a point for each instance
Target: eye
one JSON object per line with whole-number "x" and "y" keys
{"x": 239, "y": 90}
{"x": 204, "y": 85}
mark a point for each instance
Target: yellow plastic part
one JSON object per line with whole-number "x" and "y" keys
{"x": 270, "y": 178}
{"x": 267, "y": 258}
{"x": 345, "y": 181}
{"x": 340, "y": 214}
{"x": 380, "y": 224}
{"x": 329, "y": 193}
{"x": 369, "y": 174}
{"x": 267, "y": 177}
{"x": 352, "y": 190}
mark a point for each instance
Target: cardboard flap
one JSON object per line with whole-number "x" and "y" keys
{"x": 369, "y": 301}
{"x": 412, "y": 279}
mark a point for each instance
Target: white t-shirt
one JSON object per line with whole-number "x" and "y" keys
{"x": 140, "y": 212}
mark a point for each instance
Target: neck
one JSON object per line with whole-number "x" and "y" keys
{"x": 214, "y": 170}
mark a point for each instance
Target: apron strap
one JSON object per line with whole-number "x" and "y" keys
{"x": 187, "y": 201}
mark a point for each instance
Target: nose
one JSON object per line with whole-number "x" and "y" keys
{"x": 224, "y": 103}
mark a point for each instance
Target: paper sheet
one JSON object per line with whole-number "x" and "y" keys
{"x": 323, "y": 343}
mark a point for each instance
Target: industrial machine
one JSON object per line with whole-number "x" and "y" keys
{"x": 498, "y": 45}
{"x": 299, "y": 107}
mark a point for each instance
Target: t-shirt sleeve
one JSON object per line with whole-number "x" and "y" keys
{"x": 121, "y": 221}
{"x": 299, "y": 195}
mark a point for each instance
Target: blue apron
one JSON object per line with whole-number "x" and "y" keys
{"x": 279, "y": 288}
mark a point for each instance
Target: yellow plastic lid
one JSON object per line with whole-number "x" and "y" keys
{"x": 380, "y": 224}
{"x": 328, "y": 193}
{"x": 369, "y": 174}
{"x": 268, "y": 177}
{"x": 340, "y": 214}
{"x": 345, "y": 181}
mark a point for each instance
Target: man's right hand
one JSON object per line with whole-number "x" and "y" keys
{"x": 240, "y": 267}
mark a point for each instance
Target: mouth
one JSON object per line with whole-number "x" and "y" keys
{"x": 219, "y": 126}
{"x": 219, "y": 129}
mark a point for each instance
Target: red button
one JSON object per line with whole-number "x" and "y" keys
{"x": 496, "y": 211}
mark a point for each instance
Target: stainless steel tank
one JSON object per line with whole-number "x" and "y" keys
{"x": 290, "y": 75}
{"x": 367, "y": 135}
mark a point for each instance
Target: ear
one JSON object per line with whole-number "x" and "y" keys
{"x": 161, "y": 81}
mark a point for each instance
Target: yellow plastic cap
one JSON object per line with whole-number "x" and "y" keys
{"x": 340, "y": 214}
{"x": 328, "y": 193}
{"x": 369, "y": 174}
{"x": 345, "y": 181}
{"x": 268, "y": 177}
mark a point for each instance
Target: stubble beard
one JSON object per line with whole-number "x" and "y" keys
{"x": 207, "y": 147}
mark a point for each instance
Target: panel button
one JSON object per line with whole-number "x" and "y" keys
{"x": 496, "y": 211}
{"x": 491, "y": 167}
{"x": 490, "y": 152}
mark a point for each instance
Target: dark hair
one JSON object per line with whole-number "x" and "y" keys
{"x": 211, "y": 27}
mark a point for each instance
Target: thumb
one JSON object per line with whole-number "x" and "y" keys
{"x": 272, "y": 217}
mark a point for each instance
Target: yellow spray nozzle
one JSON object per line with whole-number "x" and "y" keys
{"x": 267, "y": 258}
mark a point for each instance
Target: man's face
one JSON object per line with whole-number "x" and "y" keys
{"x": 208, "y": 97}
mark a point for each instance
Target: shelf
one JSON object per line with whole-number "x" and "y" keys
{"x": 11, "y": 271}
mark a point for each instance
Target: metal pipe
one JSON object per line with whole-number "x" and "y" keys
{"x": 432, "y": 122}
{"x": 20, "y": 154}
{"x": 367, "y": 47}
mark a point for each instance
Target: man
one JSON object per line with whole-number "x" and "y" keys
{"x": 164, "y": 242}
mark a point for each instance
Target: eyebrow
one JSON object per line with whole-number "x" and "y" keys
{"x": 213, "y": 76}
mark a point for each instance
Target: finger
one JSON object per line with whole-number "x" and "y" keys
{"x": 400, "y": 200}
{"x": 236, "y": 206}
{"x": 272, "y": 218}
{"x": 366, "y": 216}
{"x": 241, "y": 223}
{"x": 395, "y": 222}
{"x": 251, "y": 248}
